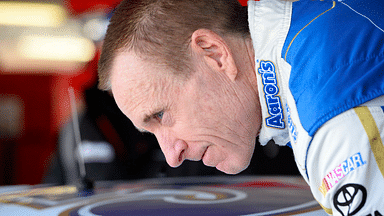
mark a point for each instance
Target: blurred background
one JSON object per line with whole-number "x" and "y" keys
{"x": 47, "y": 47}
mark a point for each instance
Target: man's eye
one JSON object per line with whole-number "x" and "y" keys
{"x": 159, "y": 115}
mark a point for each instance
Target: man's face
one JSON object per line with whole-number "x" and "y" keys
{"x": 206, "y": 117}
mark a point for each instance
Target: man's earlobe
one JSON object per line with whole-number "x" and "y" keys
{"x": 215, "y": 51}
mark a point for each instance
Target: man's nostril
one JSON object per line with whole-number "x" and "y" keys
{"x": 181, "y": 156}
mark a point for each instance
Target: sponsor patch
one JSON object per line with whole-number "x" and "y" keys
{"x": 337, "y": 174}
{"x": 271, "y": 91}
{"x": 349, "y": 199}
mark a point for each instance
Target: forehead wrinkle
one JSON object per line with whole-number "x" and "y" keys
{"x": 145, "y": 86}
{"x": 140, "y": 99}
{"x": 126, "y": 85}
{"x": 148, "y": 96}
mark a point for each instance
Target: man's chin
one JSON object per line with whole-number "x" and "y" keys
{"x": 231, "y": 170}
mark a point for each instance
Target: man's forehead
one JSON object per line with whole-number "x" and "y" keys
{"x": 134, "y": 68}
{"x": 137, "y": 86}
{"x": 127, "y": 64}
{"x": 130, "y": 72}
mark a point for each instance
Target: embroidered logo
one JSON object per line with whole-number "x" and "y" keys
{"x": 337, "y": 174}
{"x": 291, "y": 125}
{"x": 271, "y": 90}
{"x": 349, "y": 199}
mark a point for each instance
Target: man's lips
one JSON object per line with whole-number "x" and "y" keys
{"x": 202, "y": 156}
{"x": 207, "y": 158}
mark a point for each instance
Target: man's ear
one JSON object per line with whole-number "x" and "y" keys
{"x": 216, "y": 52}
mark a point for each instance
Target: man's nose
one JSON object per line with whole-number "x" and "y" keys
{"x": 174, "y": 149}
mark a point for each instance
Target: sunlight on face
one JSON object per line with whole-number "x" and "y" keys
{"x": 203, "y": 118}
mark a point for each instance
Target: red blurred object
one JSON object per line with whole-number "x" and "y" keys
{"x": 243, "y": 2}
{"x": 25, "y": 157}
{"x": 87, "y": 6}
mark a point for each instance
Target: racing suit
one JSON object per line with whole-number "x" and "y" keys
{"x": 320, "y": 73}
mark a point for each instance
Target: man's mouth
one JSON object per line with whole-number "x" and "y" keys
{"x": 207, "y": 160}
{"x": 202, "y": 156}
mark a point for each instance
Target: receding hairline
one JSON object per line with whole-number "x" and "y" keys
{"x": 147, "y": 59}
{"x": 146, "y": 64}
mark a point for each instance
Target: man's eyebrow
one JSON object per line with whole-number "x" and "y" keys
{"x": 151, "y": 115}
{"x": 147, "y": 117}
